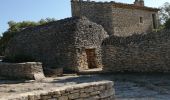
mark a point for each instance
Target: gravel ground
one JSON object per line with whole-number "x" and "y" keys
{"x": 127, "y": 86}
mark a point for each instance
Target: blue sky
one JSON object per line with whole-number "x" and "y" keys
{"x": 34, "y": 10}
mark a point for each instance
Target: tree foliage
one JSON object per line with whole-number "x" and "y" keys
{"x": 167, "y": 24}
{"x": 164, "y": 13}
{"x": 15, "y": 27}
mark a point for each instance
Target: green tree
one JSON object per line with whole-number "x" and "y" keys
{"x": 164, "y": 13}
{"x": 50, "y": 19}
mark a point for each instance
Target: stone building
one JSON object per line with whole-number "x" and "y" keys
{"x": 72, "y": 43}
{"x": 118, "y": 18}
{"x": 137, "y": 53}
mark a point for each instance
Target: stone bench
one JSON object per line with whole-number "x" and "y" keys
{"x": 27, "y": 70}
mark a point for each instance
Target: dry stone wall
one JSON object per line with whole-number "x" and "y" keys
{"x": 28, "y": 70}
{"x": 60, "y": 44}
{"x": 117, "y": 18}
{"x": 138, "y": 53}
{"x": 87, "y": 91}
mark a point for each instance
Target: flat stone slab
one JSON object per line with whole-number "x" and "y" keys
{"x": 91, "y": 71}
{"x": 101, "y": 89}
{"x": 127, "y": 86}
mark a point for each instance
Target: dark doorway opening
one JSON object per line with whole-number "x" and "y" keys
{"x": 154, "y": 21}
{"x": 141, "y": 19}
{"x": 91, "y": 58}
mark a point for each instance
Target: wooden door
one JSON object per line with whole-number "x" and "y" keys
{"x": 91, "y": 58}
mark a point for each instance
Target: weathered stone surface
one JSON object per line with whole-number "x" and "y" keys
{"x": 94, "y": 93}
{"x": 63, "y": 98}
{"x": 73, "y": 96}
{"x": 28, "y": 70}
{"x": 107, "y": 93}
{"x": 84, "y": 95}
{"x": 52, "y": 94}
{"x": 117, "y": 18}
{"x": 90, "y": 89}
{"x": 138, "y": 53}
{"x": 60, "y": 44}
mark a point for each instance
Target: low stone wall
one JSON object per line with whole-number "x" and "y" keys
{"x": 28, "y": 70}
{"x": 87, "y": 91}
{"x": 138, "y": 53}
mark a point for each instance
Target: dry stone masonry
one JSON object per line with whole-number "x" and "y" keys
{"x": 118, "y": 18}
{"x": 138, "y": 53}
{"x": 29, "y": 70}
{"x": 61, "y": 44}
{"x": 75, "y": 43}
{"x": 87, "y": 91}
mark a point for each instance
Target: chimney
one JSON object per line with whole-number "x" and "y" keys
{"x": 139, "y": 3}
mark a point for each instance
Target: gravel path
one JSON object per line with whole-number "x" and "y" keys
{"x": 127, "y": 86}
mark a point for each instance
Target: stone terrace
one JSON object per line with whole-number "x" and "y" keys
{"x": 127, "y": 86}
{"x": 52, "y": 88}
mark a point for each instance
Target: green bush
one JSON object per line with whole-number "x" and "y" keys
{"x": 167, "y": 24}
{"x": 18, "y": 59}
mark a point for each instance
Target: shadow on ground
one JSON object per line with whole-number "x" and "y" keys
{"x": 131, "y": 86}
{"x": 127, "y": 86}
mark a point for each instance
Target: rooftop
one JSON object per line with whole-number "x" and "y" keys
{"x": 121, "y": 5}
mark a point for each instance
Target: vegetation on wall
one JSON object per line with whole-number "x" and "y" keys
{"x": 167, "y": 24}
{"x": 164, "y": 16}
{"x": 15, "y": 27}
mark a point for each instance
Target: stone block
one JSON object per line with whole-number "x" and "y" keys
{"x": 28, "y": 70}
{"x": 84, "y": 95}
{"x": 73, "y": 96}
{"x": 63, "y": 98}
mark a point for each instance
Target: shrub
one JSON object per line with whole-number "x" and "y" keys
{"x": 167, "y": 24}
{"x": 18, "y": 58}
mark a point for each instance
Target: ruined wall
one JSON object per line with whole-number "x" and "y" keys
{"x": 117, "y": 18}
{"x": 138, "y": 53}
{"x": 29, "y": 70}
{"x": 87, "y": 91}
